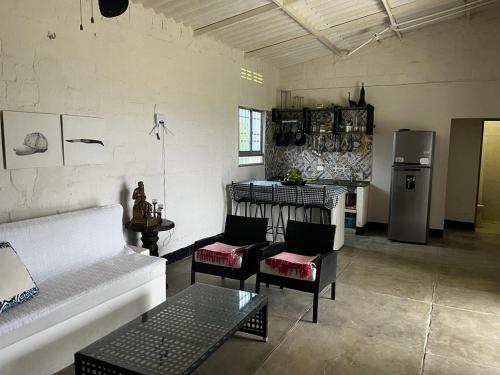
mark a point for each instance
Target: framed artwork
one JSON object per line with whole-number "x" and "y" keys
{"x": 32, "y": 140}
{"x": 84, "y": 140}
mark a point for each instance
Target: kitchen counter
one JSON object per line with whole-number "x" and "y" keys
{"x": 341, "y": 183}
{"x": 334, "y": 182}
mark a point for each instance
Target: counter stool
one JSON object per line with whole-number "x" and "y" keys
{"x": 286, "y": 197}
{"x": 313, "y": 197}
{"x": 241, "y": 193}
{"x": 262, "y": 197}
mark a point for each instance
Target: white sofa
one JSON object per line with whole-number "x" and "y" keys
{"x": 90, "y": 284}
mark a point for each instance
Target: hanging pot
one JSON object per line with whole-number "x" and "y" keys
{"x": 290, "y": 135}
{"x": 280, "y": 136}
{"x": 300, "y": 136}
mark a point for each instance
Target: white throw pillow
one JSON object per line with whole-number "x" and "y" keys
{"x": 17, "y": 286}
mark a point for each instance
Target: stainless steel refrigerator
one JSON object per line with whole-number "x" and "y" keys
{"x": 411, "y": 181}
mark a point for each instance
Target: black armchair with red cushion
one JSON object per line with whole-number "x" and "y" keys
{"x": 234, "y": 254}
{"x": 305, "y": 261}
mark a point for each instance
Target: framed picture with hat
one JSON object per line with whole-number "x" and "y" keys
{"x": 32, "y": 140}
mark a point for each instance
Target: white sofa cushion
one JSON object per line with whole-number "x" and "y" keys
{"x": 74, "y": 292}
{"x": 16, "y": 285}
{"x": 55, "y": 244}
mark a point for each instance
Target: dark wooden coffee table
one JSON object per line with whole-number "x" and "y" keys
{"x": 178, "y": 335}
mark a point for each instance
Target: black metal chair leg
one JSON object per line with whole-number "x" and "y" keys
{"x": 193, "y": 277}
{"x": 267, "y": 285}
{"x": 332, "y": 295}
{"x": 242, "y": 284}
{"x": 223, "y": 277}
{"x": 315, "y": 307}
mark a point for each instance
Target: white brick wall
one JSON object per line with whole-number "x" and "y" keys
{"x": 446, "y": 71}
{"x": 118, "y": 69}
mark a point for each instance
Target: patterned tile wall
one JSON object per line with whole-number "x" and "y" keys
{"x": 315, "y": 152}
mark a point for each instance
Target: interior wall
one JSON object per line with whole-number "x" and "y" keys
{"x": 490, "y": 181}
{"x": 449, "y": 70}
{"x": 119, "y": 69}
{"x": 464, "y": 161}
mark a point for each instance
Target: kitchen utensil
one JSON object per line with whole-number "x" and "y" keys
{"x": 344, "y": 146}
{"x": 300, "y": 136}
{"x": 289, "y": 134}
{"x": 350, "y": 144}
{"x": 280, "y": 136}
{"x": 330, "y": 143}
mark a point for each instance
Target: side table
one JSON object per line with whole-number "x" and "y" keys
{"x": 149, "y": 236}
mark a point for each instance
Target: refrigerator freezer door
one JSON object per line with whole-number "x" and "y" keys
{"x": 413, "y": 147}
{"x": 409, "y": 207}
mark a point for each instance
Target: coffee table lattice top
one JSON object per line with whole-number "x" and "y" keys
{"x": 175, "y": 335}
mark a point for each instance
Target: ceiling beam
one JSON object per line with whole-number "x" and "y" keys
{"x": 301, "y": 21}
{"x": 234, "y": 19}
{"x": 285, "y": 43}
{"x": 388, "y": 10}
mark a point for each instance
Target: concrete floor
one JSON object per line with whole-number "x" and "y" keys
{"x": 488, "y": 226}
{"x": 400, "y": 309}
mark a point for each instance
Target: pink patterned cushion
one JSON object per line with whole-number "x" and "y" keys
{"x": 220, "y": 254}
{"x": 293, "y": 265}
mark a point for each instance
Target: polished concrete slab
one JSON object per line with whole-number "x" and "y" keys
{"x": 400, "y": 309}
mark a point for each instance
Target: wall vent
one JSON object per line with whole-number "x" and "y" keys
{"x": 252, "y": 76}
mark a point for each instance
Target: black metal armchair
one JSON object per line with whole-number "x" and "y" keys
{"x": 239, "y": 231}
{"x": 309, "y": 240}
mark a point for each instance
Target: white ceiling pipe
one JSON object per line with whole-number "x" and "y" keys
{"x": 443, "y": 17}
{"x": 374, "y": 37}
{"x": 461, "y": 8}
{"x": 388, "y": 10}
{"x": 465, "y": 7}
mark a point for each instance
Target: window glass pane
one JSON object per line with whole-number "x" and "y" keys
{"x": 250, "y": 160}
{"x": 256, "y": 130}
{"x": 244, "y": 129}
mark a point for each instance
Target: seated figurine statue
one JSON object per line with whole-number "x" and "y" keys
{"x": 143, "y": 210}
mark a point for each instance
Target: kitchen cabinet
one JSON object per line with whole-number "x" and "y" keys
{"x": 356, "y": 200}
{"x": 354, "y": 119}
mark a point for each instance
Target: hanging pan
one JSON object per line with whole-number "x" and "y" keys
{"x": 300, "y": 136}
{"x": 280, "y": 136}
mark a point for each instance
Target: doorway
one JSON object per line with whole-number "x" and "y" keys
{"x": 488, "y": 197}
{"x": 473, "y": 180}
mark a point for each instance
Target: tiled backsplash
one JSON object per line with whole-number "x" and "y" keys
{"x": 336, "y": 164}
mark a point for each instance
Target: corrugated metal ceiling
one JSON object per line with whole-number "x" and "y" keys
{"x": 289, "y": 32}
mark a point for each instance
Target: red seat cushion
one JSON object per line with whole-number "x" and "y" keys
{"x": 291, "y": 265}
{"x": 220, "y": 254}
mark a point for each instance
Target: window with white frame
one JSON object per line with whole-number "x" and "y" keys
{"x": 251, "y": 136}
